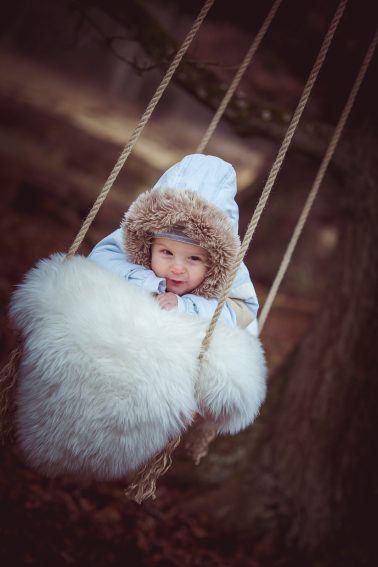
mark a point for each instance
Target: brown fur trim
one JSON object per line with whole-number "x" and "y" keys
{"x": 161, "y": 209}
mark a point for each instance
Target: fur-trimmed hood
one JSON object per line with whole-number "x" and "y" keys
{"x": 196, "y": 195}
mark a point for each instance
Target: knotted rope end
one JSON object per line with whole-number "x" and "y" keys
{"x": 144, "y": 486}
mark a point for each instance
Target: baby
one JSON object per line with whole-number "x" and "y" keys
{"x": 118, "y": 375}
{"x": 179, "y": 240}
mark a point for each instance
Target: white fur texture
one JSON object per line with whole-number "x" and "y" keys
{"x": 108, "y": 378}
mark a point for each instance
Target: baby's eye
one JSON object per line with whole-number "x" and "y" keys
{"x": 195, "y": 258}
{"x": 166, "y": 252}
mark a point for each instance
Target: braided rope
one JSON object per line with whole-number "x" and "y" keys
{"x": 144, "y": 485}
{"x": 318, "y": 180}
{"x": 9, "y": 371}
{"x": 8, "y": 376}
{"x": 147, "y": 477}
{"x": 273, "y": 173}
{"x": 236, "y": 80}
{"x": 138, "y": 130}
{"x": 197, "y": 444}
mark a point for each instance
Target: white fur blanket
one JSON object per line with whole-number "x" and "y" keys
{"x": 107, "y": 377}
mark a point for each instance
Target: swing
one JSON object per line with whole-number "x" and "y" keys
{"x": 80, "y": 368}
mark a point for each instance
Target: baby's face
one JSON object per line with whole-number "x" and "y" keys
{"x": 184, "y": 266}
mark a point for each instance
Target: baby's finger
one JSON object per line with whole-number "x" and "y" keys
{"x": 161, "y": 299}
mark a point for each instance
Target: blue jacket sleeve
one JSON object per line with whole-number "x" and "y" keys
{"x": 205, "y": 308}
{"x": 110, "y": 254}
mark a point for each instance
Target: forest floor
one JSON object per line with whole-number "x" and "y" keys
{"x": 57, "y": 145}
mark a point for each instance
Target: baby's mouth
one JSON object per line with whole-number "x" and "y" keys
{"x": 175, "y": 282}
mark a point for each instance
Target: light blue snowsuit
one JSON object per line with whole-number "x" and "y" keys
{"x": 214, "y": 180}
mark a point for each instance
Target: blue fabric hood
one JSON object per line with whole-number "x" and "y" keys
{"x": 211, "y": 177}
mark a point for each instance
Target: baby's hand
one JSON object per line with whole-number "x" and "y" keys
{"x": 167, "y": 301}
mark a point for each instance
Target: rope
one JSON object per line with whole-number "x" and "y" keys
{"x": 9, "y": 371}
{"x": 318, "y": 180}
{"x": 138, "y": 130}
{"x": 148, "y": 476}
{"x": 8, "y": 377}
{"x": 273, "y": 173}
{"x": 235, "y": 82}
{"x": 144, "y": 485}
{"x": 197, "y": 444}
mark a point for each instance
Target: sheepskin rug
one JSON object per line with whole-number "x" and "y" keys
{"x": 107, "y": 377}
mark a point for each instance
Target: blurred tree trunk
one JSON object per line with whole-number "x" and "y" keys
{"x": 306, "y": 469}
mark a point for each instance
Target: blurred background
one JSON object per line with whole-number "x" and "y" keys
{"x": 76, "y": 76}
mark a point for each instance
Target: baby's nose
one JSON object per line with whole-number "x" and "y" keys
{"x": 177, "y": 268}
